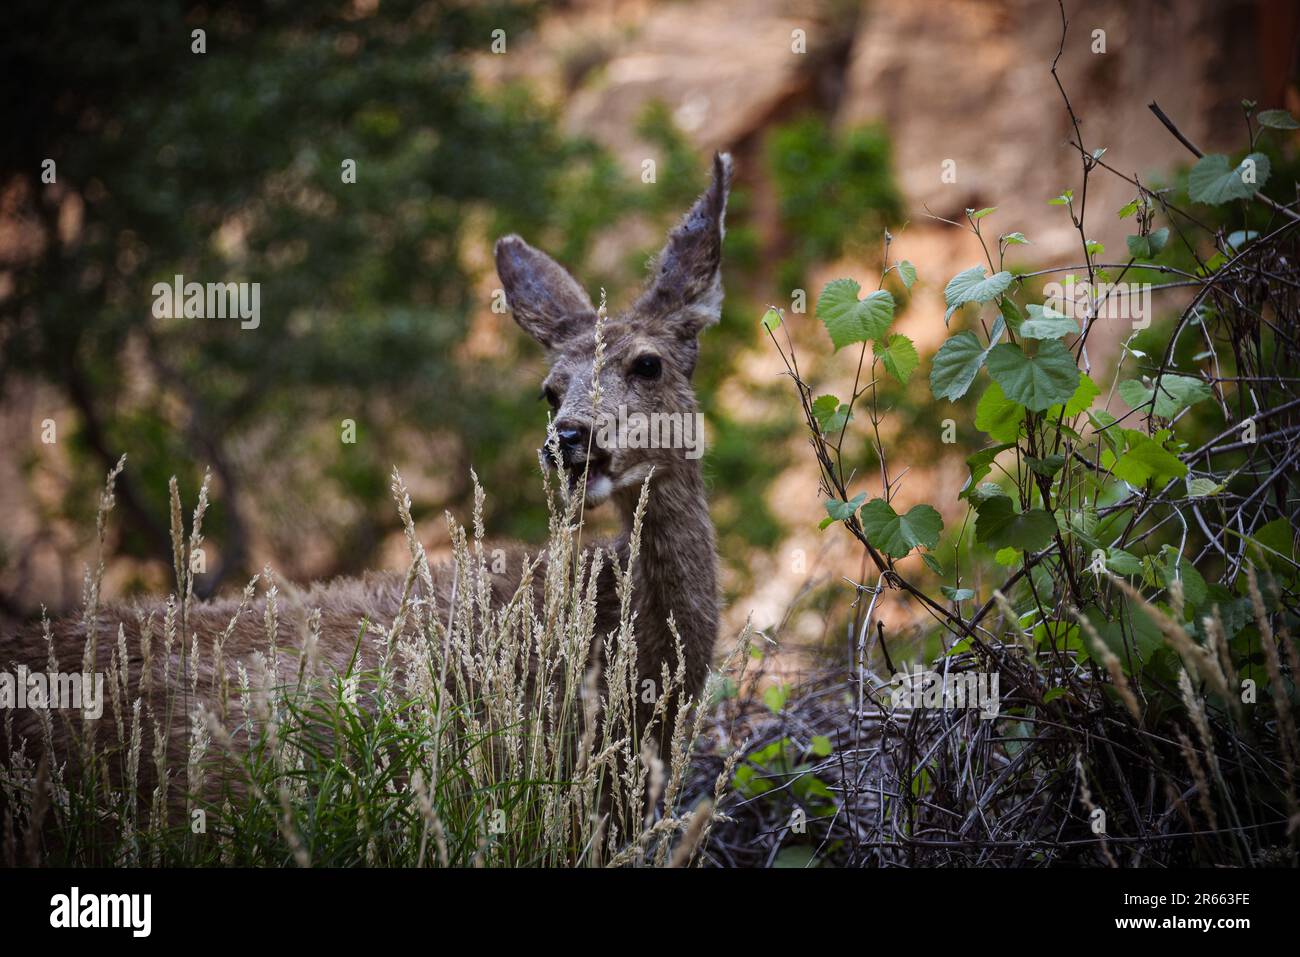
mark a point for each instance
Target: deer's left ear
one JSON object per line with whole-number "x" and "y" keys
{"x": 685, "y": 288}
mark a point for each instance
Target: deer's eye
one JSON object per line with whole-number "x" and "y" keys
{"x": 551, "y": 396}
{"x": 647, "y": 367}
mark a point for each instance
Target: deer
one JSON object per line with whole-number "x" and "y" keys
{"x": 648, "y": 355}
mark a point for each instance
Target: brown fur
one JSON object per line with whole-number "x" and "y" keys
{"x": 675, "y": 574}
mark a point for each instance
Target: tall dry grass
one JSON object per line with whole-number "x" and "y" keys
{"x": 482, "y": 736}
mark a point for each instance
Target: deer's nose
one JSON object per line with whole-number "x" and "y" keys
{"x": 573, "y": 438}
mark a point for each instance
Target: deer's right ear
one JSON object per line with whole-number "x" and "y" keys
{"x": 546, "y": 300}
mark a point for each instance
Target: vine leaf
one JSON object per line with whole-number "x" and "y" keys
{"x": 1212, "y": 181}
{"x": 898, "y": 355}
{"x": 895, "y": 534}
{"x": 1046, "y": 323}
{"x": 1278, "y": 120}
{"x": 1000, "y": 526}
{"x": 831, "y": 414}
{"x": 998, "y": 416}
{"x": 981, "y": 464}
{"x": 1047, "y": 378}
{"x": 972, "y": 285}
{"x": 839, "y": 511}
{"x": 1176, "y": 392}
{"x": 1203, "y": 487}
{"x": 1146, "y": 247}
{"x": 849, "y": 319}
{"x": 1143, "y": 460}
{"x": 955, "y": 366}
{"x": 1122, "y": 562}
{"x": 1081, "y": 401}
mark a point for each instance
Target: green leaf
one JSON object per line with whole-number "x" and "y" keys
{"x": 1047, "y": 466}
{"x": 1014, "y": 239}
{"x": 957, "y": 594}
{"x": 1213, "y": 181}
{"x": 998, "y": 416}
{"x": 1012, "y": 317}
{"x": 1079, "y": 402}
{"x": 1046, "y": 323}
{"x": 898, "y": 356}
{"x": 981, "y": 493}
{"x": 1036, "y": 382}
{"x": 1177, "y": 392}
{"x": 981, "y": 464}
{"x": 1128, "y": 209}
{"x": 850, "y": 320}
{"x": 771, "y": 318}
{"x": 981, "y": 213}
{"x": 821, "y": 746}
{"x": 801, "y": 856}
{"x": 1122, "y": 562}
{"x": 1144, "y": 460}
{"x": 1063, "y": 199}
{"x": 774, "y": 697}
{"x": 1138, "y": 247}
{"x": 1000, "y": 526}
{"x": 1173, "y": 567}
{"x": 1146, "y": 247}
{"x": 907, "y": 272}
{"x": 973, "y": 285}
{"x": 895, "y": 534}
{"x": 955, "y": 366}
{"x": 1203, "y": 487}
{"x": 1278, "y": 120}
{"x": 932, "y": 563}
{"x": 842, "y": 511}
{"x": 831, "y": 414}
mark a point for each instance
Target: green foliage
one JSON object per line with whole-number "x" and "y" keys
{"x": 1168, "y": 396}
{"x": 895, "y": 534}
{"x": 1045, "y": 323}
{"x": 1000, "y": 526}
{"x": 973, "y": 285}
{"x": 1213, "y": 181}
{"x": 850, "y": 320}
{"x": 955, "y": 366}
{"x": 1046, "y": 378}
{"x": 997, "y": 415}
{"x": 1106, "y": 545}
{"x": 898, "y": 355}
{"x": 835, "y": 191}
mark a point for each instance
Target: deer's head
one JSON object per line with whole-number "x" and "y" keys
{"x": 644, "y": 414}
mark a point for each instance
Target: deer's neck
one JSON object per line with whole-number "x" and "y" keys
{"x": 675, "y": 574}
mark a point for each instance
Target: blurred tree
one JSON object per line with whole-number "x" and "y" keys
{"x": 227, "y": 165}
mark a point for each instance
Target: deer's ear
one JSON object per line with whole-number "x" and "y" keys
{"x": 547, "y": 302}
{"x": 686, "y": 285}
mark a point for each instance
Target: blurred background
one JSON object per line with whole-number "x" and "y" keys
{"x": 467, "y": 120}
